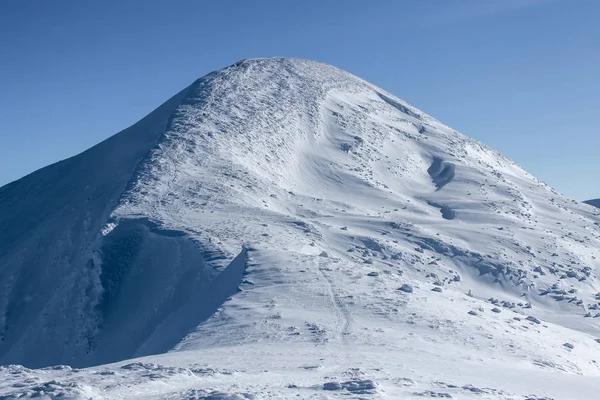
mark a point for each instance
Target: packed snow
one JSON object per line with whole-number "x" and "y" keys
{"x": 282, "y": 229}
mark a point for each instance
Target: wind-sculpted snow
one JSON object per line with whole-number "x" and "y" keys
{"x": 157, "y": 287}
{"x": 384, "y": 254}
{"x": 441, "y": 172}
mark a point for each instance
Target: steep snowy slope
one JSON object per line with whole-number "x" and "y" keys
{"x": 324, "y": 232}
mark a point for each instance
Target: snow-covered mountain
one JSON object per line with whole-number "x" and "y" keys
{"x": 283, "y": 229}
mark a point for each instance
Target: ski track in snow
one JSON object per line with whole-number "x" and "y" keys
{"x": 342, "y": 315}
{"x": 283, "y": 229}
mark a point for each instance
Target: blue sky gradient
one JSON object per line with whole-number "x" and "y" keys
{"x": 520, "y": 75}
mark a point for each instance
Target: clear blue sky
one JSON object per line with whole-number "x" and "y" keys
{"x": 520, "y": 75}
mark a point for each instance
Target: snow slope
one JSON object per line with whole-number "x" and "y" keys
{"x": 287, "y": 229}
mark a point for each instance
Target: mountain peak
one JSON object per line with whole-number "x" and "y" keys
{"x": 288, "y": 203}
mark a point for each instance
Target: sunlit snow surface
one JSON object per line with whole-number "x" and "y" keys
{"x": 291, "y": 231}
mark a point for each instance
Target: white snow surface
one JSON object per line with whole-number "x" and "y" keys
{"x": 282, "y": 229}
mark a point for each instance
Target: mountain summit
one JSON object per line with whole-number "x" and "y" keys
{"x": 316, "y": 226}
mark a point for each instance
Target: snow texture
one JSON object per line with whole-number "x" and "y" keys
{"x": 282, "y": 229}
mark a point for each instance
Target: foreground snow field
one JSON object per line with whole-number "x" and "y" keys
{"x": 282, "y": 229}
